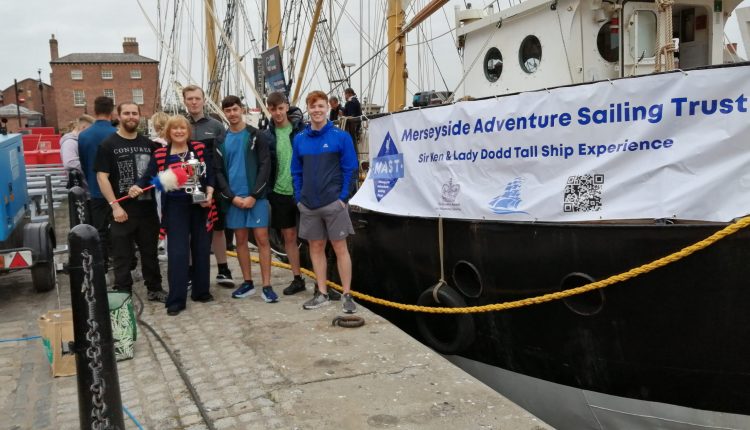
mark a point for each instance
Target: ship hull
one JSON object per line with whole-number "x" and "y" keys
{"x": 674, "y": 336}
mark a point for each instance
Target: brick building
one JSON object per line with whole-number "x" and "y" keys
{"x": 81, "y": 77}
{"x": 30, "y": 96}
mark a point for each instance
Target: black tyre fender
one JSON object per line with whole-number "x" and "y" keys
{"x": 41, "y": 239}
{"x": 445, "y": 333}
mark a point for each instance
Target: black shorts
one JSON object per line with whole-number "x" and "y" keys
{"x": 220, "y": 223}
{"x": 284, "y": 212}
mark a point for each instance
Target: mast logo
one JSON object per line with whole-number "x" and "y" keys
{"x": 387, "y": 167}
{"x": 509, "y": 200}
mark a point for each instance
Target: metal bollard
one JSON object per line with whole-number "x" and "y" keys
{"x": 99, "y": 403}
{"x": 78, "y": 210}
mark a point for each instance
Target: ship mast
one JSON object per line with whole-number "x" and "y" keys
{"x": 273, "y": 24}
{"x": 208, "y": 8}
{"x": 397, "y": 30}
{"x": 397, "y": 73}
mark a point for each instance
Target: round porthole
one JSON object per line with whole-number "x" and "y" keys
{"x": 530, "y": 54}
{"x": 608, "y": 43}
{"x": 590, "y": 303}
{"x": 493, "y": 64}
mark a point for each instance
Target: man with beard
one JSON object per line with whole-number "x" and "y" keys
{"x": 121, "y": 160}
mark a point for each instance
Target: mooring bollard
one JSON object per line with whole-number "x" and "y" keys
{"x": 99, "y": 403}
{"x": 78, "y": 211}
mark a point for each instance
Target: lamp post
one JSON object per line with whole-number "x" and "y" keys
{"x": 41, "y": 93}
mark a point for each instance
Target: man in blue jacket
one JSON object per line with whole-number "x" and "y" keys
{"x": 323, "y": 163}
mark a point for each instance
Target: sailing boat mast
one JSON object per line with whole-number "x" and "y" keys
{"x": 397, "y": 30}
{"x": 208, "y": 8}
{"x": 273, "y": 24}
{"x": 397, "y": 73}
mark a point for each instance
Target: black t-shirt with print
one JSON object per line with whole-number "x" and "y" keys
{"x": 126, "y": 160}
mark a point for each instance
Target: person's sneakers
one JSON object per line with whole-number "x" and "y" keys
{"x": 333, "y": 295}
{"x": 204, "y": 299}
{"x": 225, "y": 279}
{"x": 157, "y": 296}
{"x": 318, "y": 300}
{"x": 245, "y": 290}
{"x": 269, "y": 295}
{"x": 297, "y": 286}
{"x": 189, "y": 285}
{"x": 349, "y": 306}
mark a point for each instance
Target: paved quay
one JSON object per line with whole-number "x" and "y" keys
{"x": 254, "y": 366}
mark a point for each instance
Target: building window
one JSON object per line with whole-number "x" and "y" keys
{"x": 135, "y": 74}
{"x": 79, "y": 98}
{"x": 106, "y": 74}
{"x": 76, "y": 75}
{"x": 138, "y": 96}
{"x": 111, "y": 94}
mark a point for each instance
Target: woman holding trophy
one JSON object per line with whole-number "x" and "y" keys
{"x": 185, "y": 212}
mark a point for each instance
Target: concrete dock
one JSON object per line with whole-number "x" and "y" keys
{"x": 254, "y": 366}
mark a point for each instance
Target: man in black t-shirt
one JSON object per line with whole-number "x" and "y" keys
{"x": 121, "y": 160}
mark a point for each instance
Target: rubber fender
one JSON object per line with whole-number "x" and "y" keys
{"x": 445, "y": 333}
{"x": 38, "y": 236}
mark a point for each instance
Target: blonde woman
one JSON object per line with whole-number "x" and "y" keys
{"x": 187, "y": 224}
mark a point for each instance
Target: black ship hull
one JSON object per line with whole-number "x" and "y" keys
{"x": 676, "y": 335}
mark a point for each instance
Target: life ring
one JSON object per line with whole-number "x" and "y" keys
{"x": 445, "y": 333}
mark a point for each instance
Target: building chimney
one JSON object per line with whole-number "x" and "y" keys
{"x": 53, "y": 52}
{"x": 130, "y": 46}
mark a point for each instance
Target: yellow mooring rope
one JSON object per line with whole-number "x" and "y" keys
{"x": 632, "y": 273}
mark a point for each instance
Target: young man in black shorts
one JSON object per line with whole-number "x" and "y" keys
{"x": 284, "y": 211}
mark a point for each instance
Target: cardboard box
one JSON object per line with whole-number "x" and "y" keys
{"x": 56, "y": 328}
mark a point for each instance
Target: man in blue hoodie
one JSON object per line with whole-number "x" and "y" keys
{"x": 323, "y": 163}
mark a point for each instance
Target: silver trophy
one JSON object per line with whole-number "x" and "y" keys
{"x": 195, "y": 169}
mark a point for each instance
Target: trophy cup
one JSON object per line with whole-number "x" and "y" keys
{"x": 195, "y": 169}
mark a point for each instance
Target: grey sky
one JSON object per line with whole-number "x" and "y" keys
{"x": 100, "y": 25}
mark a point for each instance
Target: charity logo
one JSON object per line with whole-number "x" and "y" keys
{"x": 509, "y": 201}
{"x": 387, "y": 167}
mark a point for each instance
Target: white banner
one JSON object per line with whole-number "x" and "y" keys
{"x": 662, "y": 146}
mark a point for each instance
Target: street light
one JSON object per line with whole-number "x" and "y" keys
{"x": 41, "y": 93}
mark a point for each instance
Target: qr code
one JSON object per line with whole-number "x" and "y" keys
{"x": 583, "y": 193}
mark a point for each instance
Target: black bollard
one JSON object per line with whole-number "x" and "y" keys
{"x": 78, "y": 210}
{"x": 99, "y": 403}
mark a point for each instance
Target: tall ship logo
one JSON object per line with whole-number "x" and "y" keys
{"x": 509, "y": 200}
{"x": 387, "y": 168}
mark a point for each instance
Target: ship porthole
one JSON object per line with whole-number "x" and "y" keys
{"x": 493, "y": 64}
{"x": 467, "y": 279}
{"x": 530, "y": 54}
{"x": 587, "y": 304}
{"x": 445, "y": 333}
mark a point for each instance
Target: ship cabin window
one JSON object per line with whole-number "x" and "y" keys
{"x": 608, "y": 43}
{"x": 645, "y": 35}
{"x": 493, "y": 64}
{"x": 530, "y": 54}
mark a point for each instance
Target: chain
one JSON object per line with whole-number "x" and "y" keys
{"x": 81, "y": 211}
{"x": 94, "y": 350}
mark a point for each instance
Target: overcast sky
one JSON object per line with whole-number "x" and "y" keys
{"x": 99, "y": 26}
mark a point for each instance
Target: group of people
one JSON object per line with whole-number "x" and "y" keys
{"x": 293, "y": 176}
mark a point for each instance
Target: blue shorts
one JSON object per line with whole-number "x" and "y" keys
{"x": 255, "y": 217}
